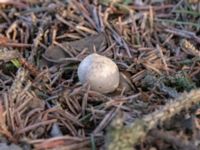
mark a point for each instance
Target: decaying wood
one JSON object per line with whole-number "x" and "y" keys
{"x": 120, "y": 137}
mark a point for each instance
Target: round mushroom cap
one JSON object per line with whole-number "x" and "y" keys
{"x": 100, "y": 72}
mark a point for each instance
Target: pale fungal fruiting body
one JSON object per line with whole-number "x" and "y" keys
{"x": 100, "y": 72}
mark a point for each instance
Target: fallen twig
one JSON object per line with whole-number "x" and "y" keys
{"x": 121, "y": 137}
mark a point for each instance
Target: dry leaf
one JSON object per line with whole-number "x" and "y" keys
{"x": 56, "y": 53}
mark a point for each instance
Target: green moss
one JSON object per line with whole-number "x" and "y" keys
{"x": 180, "y": 81}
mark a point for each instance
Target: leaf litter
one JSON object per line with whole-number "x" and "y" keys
{"x": 155, "y": 45}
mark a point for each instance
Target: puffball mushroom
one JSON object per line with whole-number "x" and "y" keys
{"x": 100, "y": 72}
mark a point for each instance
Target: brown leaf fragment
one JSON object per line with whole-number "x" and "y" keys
{"x": 98, "y": 41}
{"x": 56, "y": 53}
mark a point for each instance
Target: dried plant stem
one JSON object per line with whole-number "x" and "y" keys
{"x": 120, "y": 137}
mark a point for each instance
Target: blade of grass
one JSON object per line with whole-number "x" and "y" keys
{"x": 16, "y": 63}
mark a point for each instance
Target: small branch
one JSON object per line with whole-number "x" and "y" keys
{"x": 126, "y": 137}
